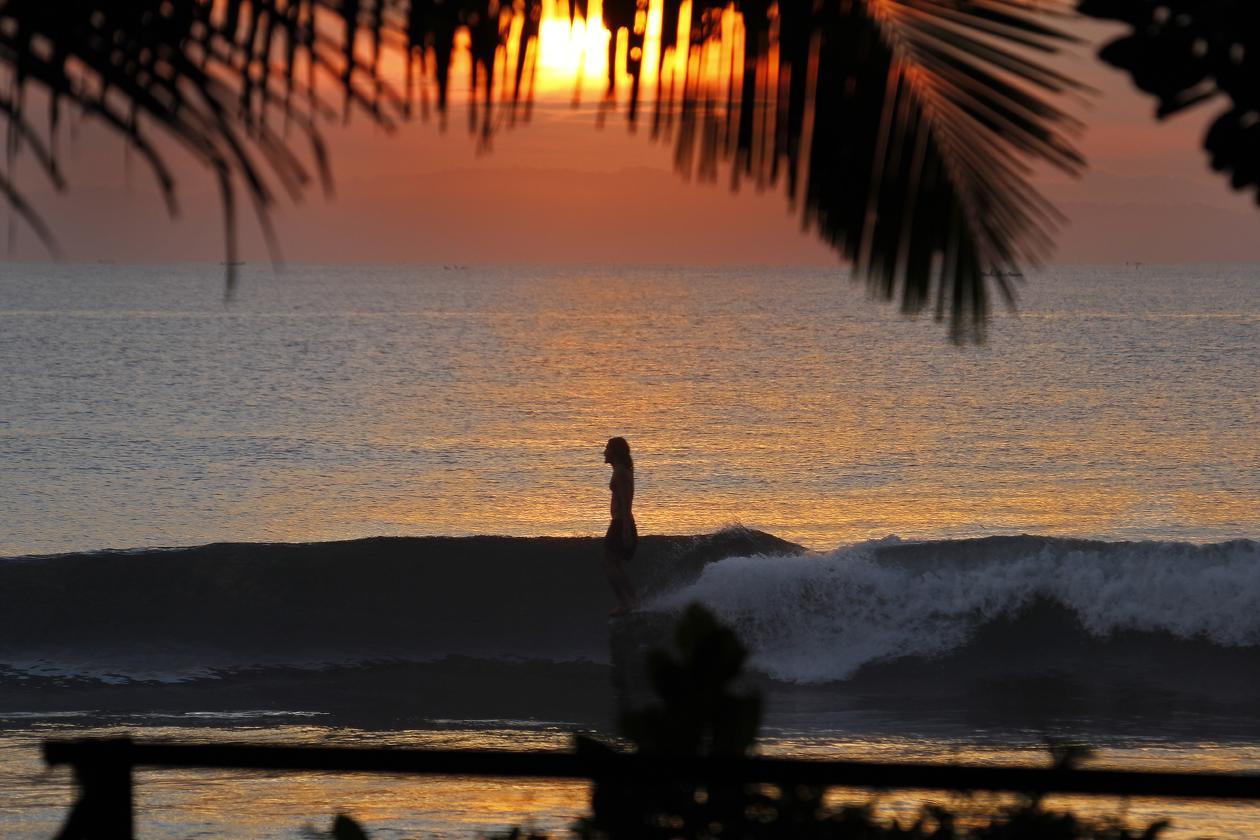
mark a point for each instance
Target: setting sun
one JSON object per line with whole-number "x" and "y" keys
{"x": 569, "y": 49}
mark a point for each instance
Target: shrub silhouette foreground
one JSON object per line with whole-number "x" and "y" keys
{"x": 902, "y": 131}
{"x": 702, "y": 711}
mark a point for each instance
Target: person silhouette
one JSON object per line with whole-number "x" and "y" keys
{"x": 622, "y": 537}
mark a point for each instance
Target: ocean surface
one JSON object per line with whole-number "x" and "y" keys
{"x": 141, "y": 409}
{"x": 257, "y": 519}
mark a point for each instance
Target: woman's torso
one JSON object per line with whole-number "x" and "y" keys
{"x": 622, "y": 487}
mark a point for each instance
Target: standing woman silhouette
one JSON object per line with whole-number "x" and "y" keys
{"x": 622, "y": 537}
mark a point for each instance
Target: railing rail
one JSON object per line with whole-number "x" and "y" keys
{"x": 103, "y": 769}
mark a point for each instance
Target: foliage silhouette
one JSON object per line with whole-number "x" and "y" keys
{"x": 200, "y": 74}
{"x": 702, "y": 712}
{"x": 1188, "y": 52}
{"x": 346, "y": 828}
{"x": 902, "y": 130}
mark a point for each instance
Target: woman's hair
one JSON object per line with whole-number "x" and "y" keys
{"x": 619, "y": 451}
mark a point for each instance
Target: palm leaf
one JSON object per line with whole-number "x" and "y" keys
{"x": 904, "y": 129}
{"x": 907, "y": 128}
{"x": 1188, "y": 52}
{"x": 204, "y": 75}
{"x": 976, "y": 115}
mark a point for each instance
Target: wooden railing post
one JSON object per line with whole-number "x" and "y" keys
{"x": 103, "y": 810}
{"x": 103, "y": 769}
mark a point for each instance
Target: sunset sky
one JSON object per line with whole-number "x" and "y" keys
{"x": 561, "y": 190}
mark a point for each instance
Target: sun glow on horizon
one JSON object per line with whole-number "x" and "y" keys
{"x": 575, "y": 53}
{"x": 567, "y": 50}
{"x": 568, "y": 59}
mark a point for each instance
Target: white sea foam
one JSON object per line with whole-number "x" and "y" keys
{"x": 819, "y": 617}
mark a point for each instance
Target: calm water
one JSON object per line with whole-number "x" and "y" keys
{"x": 140, "y": 409}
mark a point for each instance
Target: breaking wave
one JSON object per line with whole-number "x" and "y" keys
{"x": 822, "y": 617}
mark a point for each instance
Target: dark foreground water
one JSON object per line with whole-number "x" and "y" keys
{"x": 971, "y": 650}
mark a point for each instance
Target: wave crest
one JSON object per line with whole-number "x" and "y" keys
{"x": 821, "y": 617}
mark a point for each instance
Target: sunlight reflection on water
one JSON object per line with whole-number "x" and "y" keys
{"x": 329, "y": 403}
{"x": 266, "y": 805}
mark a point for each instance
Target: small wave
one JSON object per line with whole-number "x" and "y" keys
{"x": 72, "y": 714}
{"x": 229, "y": 715}
{"x": 188, "y": 614}
{"x": 821, "y": 617}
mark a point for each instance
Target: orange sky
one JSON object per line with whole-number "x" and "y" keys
{"x": 562, "y": 190}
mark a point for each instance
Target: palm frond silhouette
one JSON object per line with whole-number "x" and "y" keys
{"x": 903, "y": 131}
{"x": 1189, "y": 52}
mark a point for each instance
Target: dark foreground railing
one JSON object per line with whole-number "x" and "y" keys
{"x": 103, "y": 770}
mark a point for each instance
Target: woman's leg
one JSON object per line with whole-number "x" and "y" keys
{"x": 619, "y": 581}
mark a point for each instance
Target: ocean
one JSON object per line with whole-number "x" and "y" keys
{"x": 359, "y": 504}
